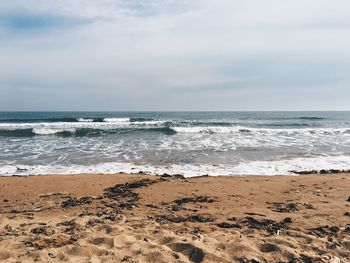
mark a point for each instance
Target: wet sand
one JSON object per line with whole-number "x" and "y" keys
{"x": 142, "y": 218}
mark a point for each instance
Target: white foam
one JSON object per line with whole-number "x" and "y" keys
{"x": 48, "y": 131}
{"x": 115, "y": 123}
{"x": 85, "y": 120}
{"x": 74, "y": 125}
{"x": 117, "y": 120}
{"x": 237, "y": 129}
{"x": 154, "y": 122}
{"x": 205, "y": 129}
{"x": 286, "y": 167}
{"x": 279, "y": 167}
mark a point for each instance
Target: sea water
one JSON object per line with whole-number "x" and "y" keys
{"x": 188, "y": 143}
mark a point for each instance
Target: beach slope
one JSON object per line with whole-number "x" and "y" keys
{"x": 143, "y": 218}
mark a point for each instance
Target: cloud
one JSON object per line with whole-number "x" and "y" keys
{"x": 173, "y": 55}
{"x": 33, "y": 22}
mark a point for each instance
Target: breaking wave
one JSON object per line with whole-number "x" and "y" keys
{"x": 280, "y": 167}
{"x": 70, "y": 119}
{"x": 90, "y": 128}
{"x": 214, "y": 143}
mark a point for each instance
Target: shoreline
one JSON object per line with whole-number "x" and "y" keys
{"x": 312, "y": 165}
{"x": 292, "y": 173}
{"x": 148, "y": 218}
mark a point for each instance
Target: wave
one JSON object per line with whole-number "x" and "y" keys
{"x": 141, "y": 119}
{"x": 285, "y": 125}
{"x": 99, "y": 132}
{"x": 205, "y": 129}
{"x": 311, "y": 118}
{"x": 117, "y": 120}
{"x": 80, "y": 119}
{"x": 27, "y": 120}
{"x": 240, "y": 129}
{"x": 36, "y": 131}
{"x": 88, "y": 128}
{"x": 80, "y": 132}
{"x": 48, "y": 131}
{"x": 84, "y": 120}
{"x": 278, "y": 167}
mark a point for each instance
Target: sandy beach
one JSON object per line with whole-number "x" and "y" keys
{"x": 174, "y": 131}
{"x": 143, "y": 218}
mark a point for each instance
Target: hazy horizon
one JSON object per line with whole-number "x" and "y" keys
{"x": 229, "y": 55}
{"x": 169, "y": 111}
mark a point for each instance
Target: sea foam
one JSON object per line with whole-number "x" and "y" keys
{"x": 188, "y": 143}
{"x": 278, "y": 167}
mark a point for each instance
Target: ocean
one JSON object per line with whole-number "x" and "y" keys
{"x": 188, "y": 143}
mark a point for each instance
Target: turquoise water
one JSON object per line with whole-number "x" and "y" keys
{"x": 192, "y": 143}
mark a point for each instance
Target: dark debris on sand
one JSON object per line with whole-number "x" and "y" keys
{"x": 347, "y": 229}
{"x": 268, "y": 225}
{"x": 72, "y": 201}
{"x": 9, "y": 231}
{"x": 41, "y": 230}
{"x": 122, "y": 206}
{"x": 69, "y": 226}
{"x": 126, "y": 190}
{"x": 181, "y": 219}
{"x": 324, "y": 230}
{"x": 285, "y": 208}
{"x": 173, "y": 176}
{"x": 93, "y": 222}
{"x": 228, "y": 225}
{"x": 110, "y": 214}
{"x": 269, "y": 247}
{"x": 244, "y": 260}
{"x": 289, "y": 207}
{"x": 197, "y": 199}
{"x": 178, "y": 204}
{"x": 49, "y": 242}
{"x": 323, "y": 171}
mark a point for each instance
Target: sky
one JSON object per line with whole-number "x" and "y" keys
{"x": 169, "y": 55}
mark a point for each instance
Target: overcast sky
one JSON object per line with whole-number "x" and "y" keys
{"x": 174, "y": 55}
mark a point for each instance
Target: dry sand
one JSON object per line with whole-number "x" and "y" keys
{"x": 141, "y": 218}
